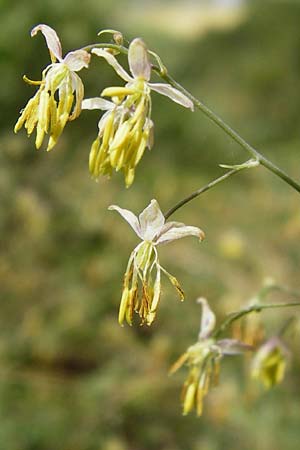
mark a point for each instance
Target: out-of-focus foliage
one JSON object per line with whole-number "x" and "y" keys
{"x": 70, "y": 376}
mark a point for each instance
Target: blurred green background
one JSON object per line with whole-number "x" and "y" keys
{"x": 70, "y": 377}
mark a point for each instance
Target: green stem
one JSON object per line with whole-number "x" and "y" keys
{"x": 250, "y": 309}
{"x": 118, "y": 48}
{"x": 228, "y": 130}
{"x": 200, "y": 191}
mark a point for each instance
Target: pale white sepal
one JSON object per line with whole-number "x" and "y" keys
{"x": 129, "y": 217}
{"x": 52, "y": 40}
{"x": 176, "y": 230}
{"x": 77, "y": 60}
{"x": 97, "y": 103}
{"x": 113, "y": 62}
{"x": 208, "y": 319}
{"x": 174, "y": 94}
{"x": 233, "y": 347}
{"x": 79, "y": 93}
{"x": 151, "y": 221}
{"x": 138, "y": 59}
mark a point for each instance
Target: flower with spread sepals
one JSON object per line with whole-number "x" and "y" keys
{"x": 203, "y": 360}
{"x": 127, "y": 129}
{"x": 108, "y": 151}
{"x": 269, "y": 362}
{"x": 60, "y": 94}
{"x": 141, "y": 289}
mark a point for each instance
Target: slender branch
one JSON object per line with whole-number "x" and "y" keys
{"x": 200, "y": 191}
{"x": 228, "y": 130}
{"x": 250, "y": 309}
{"x": 234, "y": 169}
{"x": 118, "y": 48}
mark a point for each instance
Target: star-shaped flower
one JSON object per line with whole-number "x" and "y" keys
{"x": 127, "y": 129}
{"x": 140, "y": 293}
{"x": 60, "y": 90}
{"x": 203, "y": 360}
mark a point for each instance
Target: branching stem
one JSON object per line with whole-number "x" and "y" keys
{"x": 250, "y": 309}
{"x": 230, "y": 132}
{"x": 200, "y": 191}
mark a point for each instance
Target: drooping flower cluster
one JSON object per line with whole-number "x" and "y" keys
{"x": 122, "y": 139}
{"x": 203, "y": 360}
{"x": 60, "y": 94}
{"x": 126, "y": 129}
{"x": 141, "y": 291}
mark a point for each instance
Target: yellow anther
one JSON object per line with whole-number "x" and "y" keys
{"x": 117, "y": 91}
{"x": 129, "y": 176}
{"x": 189, "y": 398}
{"x": 123, "y": 305}
{"x": 121, "y": 136}
{"x": 93, "y": 154}
{"x": 33, "y": 83}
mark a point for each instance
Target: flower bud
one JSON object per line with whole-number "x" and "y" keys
{"x": 269, "y": 362}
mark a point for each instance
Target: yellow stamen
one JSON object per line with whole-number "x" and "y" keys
{"x": 93, "y": 154}
{"x": 117, "y": 91}
{"x": 180, "y": 361}
{"x": 199, "y": 401}
{"x": 123, "y": 305}
{"x": 129, "y": 176}
{"x": 109, "y": 128}
{"x": 189, "y": 399}
{"x": 121, "y": 136}
{"x": 34, "y": 83}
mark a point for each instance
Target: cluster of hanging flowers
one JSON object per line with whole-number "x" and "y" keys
{"x": 203, "y": 361}
{"x": 60, "y": 92}
{"x": 126, "y": 127}
{"x": 141, "y": 290}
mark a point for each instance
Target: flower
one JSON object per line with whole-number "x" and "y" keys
{"x": 269, "y": 362}
{"x": 203, "y": 359}
{"x": 126, "y": 129}
{"x": 121, "y": 140}
{"x": 140, "y": 293}
{"x": 60, "y": 90}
